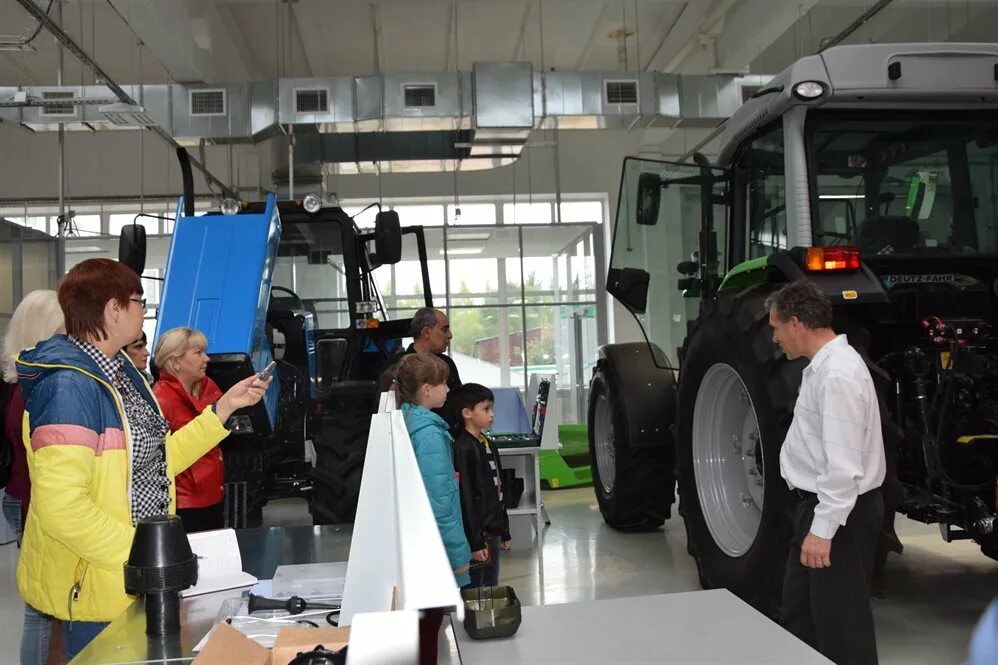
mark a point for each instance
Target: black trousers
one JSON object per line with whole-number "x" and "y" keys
{"x": 208, "y": 518}
{"x": 829, "y": 608}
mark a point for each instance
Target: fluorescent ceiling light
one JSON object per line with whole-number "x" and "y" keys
{"x": 469, "y": 236}
{"x": 86, "y": 249}
{"x": 463, "y": 250}
{"x": 842, "y": 196}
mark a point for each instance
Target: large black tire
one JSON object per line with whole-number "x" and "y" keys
{"x": 734, "y": 331}
{"x": 244, "y": 484}
{"x": 340, "y": 450}
{"x": 639, "y": 497}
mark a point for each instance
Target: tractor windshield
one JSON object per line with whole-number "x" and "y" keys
{"x": 661, "y": 211}
{"x": 904, "y": 183}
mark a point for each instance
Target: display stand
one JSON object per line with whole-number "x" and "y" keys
{"x": 397, "y": 558}
{"x": 527, "y": 519}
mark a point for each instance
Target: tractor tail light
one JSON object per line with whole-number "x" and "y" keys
{"x": 831, "y": 259}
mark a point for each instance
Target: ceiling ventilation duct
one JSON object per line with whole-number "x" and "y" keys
{"x": 426, "y": 121}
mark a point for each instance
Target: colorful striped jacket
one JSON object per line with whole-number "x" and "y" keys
{"x": 79, "y": 530}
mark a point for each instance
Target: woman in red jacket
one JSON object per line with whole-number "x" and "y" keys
{"x": 183, "y": 392}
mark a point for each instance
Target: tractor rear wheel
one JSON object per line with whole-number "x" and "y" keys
{"x": 736, "y": 398}
{"x": 736, "y": 395}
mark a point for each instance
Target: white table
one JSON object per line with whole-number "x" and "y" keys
{"x": 526, "y": 462}
{"x": 699, "y": 627}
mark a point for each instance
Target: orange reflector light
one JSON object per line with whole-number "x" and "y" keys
{"x": 373, "y": 323}
{"x": 827, "y": 259}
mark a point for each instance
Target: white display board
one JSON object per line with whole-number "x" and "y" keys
{"x": 396, "y": 553}
{"x": 384, "y": 638}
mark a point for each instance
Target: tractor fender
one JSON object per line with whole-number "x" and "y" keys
{"x": 645, "y": 392}
{"x": 843, "y": 288}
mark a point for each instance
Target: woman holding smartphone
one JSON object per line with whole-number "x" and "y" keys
{"x": 183, "y": 392}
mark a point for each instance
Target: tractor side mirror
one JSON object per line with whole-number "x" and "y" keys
{"x": 132, "y": 247}
{"x": 629, "y": 286}
{"x": 649, "y": 198}
{"x": 387, "y": 238}
{"x": 688, "y": 268}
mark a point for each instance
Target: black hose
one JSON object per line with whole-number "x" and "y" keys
{"x": 188, "y": 179}
{"x": 947, "y": 393}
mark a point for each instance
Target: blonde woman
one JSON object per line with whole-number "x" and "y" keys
{"x": 183, "y": 392}
{"x": 37, "y": 318}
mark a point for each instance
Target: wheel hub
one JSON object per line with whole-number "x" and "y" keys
{"x": 606, "y": 463}
{"x": 727, "y": 460}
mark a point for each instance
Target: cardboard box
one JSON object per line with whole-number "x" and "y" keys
{"x": 291, "y": 641}
{"x": 227, "y": 645}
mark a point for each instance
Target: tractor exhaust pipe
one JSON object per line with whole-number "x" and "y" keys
{"x": 188, "y": 179}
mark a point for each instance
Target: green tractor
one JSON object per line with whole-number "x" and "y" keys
{"x": 873, "y": 171}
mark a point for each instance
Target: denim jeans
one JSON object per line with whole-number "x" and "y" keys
{"x": 35, "y": 637}
{"x": 12, "y": 513}
{"x": 78, "y": 634}
{"x": 487, "y": 575}
{"x": 37, "y": 626}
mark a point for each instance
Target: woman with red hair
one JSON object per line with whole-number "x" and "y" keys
{"x": 99, "y": 451}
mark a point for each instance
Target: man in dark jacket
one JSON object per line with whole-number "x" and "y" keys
{"x": 431, "y": 333}
{"x": 479, "y": 470}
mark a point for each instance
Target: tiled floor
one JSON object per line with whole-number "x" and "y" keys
{"x": 936, "y": 591}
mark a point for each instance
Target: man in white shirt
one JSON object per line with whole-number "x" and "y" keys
{"x": 833, "y": 460}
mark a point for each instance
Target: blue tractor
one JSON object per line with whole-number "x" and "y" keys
{"x": 236, "y": 275}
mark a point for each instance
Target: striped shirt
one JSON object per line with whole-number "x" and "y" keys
{"x": 834, "y": 447}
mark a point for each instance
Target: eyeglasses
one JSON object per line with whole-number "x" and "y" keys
{"x": 141, "y": 301}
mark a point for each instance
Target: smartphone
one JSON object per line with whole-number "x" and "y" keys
{"x": 267, "y": 371}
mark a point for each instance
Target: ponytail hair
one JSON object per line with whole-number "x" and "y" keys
{"x": 415, "y": 370}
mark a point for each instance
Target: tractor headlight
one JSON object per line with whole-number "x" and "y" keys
{"x": 229, "y": 207}
{"x": 809, "y": 90}
{"x": 312, "y": 203}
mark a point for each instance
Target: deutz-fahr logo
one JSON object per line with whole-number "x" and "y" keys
{"x": 894, "y": 280}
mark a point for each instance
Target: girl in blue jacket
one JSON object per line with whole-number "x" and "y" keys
{"x": 421, "y": 385}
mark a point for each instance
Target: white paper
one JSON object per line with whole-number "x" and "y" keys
{"x": 220, "y": 565}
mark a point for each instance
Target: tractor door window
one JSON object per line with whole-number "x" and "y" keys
{"x": 767, "y": 194}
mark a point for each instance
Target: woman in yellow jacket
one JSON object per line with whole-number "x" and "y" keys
{"x": 99, "y": 451}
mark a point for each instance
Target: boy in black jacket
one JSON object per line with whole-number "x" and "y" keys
{"x": 479, "y": 470}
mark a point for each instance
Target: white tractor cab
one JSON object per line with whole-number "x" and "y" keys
{"x": 873, "y": 171}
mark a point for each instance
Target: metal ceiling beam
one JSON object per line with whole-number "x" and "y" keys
{"x": 450, "y": 63}
{"x": 231, "y": 29}
{"x": 85, "y": 59}
{"x": 665, "y": 36}
{"x": 703, "y": 31}
{"x": 521, "y": 40}
{"x": 855, "y": 25}
{"x": 587, "y": 49}
{"x": 296, "y": 27}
